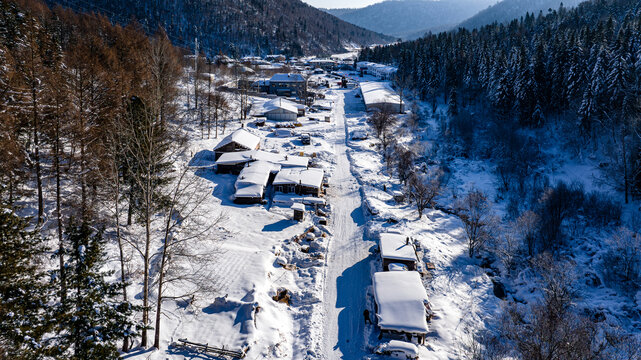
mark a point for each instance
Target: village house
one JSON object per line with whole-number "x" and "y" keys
{"x": 379, "y": 96}
{"x": 234, "y": 162}
{"x": 402, "y": 306}
{"x": 252, "y": 180}
{"x": 239, "y": 140}
{"x": 280, "y": 109}
{"x": 300, "y": 181}
{"x": 397, "y": 252}
{"x": 288, "y": 85}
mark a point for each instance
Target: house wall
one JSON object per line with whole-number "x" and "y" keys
{"x": 232, "y": 147}
{"x": 288, "y": 88}
{"x": 281, "y": 115}
{"x": 248, "y": 200}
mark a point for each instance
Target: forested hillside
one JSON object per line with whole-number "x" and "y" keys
{"x": 238, "y": 27}
{"x": 541, "y": 116}
{"x": 579, "y": 66}
{"x": 87, "y": 119}
{"x": 412, "y": 18}
{"x": 508, "y": 10}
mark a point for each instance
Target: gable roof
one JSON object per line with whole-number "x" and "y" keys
{"x": 280, "y": 103}
{"x": 297, "y": 176}
{"x": 401, "y": 299}
{"x": 241, "y": 137}
{"x": 375, "y": 92}
{"x": 395, "y": 247}
{"x": 280, "y": 77}
{"x": 239, "y": 157}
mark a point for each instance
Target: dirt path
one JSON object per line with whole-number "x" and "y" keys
{"x": 347, "y": 274}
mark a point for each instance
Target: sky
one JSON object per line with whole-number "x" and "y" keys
{"x": 331, "y": 4}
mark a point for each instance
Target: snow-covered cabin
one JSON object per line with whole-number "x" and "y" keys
{"x": 275, "y": 58}
{"x": 252, "y": 180}
{"x": 288, "y": 84}
{"x": 234, "y": 162}
{"x": 280, "y": 109}
{"x": 299, "y": 181}
{"x": 380, "y": 96}
{"x": 239, "y": 140}
{"x": 401, "y": 305}
{"x": 397, "y": 249}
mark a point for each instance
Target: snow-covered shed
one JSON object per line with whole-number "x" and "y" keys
{"x": 239, "y": 140}
{"x": 280, "y": 109}
{"x": 236, "y": 161}
{"x": 251, "y": 182}
{"x": 380, "y": 96}
{"x": 401, "y": 304}
{"x": 397, "y": 249}
{"x": 300, "y": 181}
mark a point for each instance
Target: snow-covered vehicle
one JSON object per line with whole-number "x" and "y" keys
{"x": 359, "y": 135}
{"x": 282, "y": 132}
{"x": 306, "y": 139}
{"x": 398, "y": 349}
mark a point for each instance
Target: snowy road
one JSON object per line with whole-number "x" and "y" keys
{"x": 348, "y": 259}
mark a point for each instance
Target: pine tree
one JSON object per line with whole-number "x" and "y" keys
{"x": 24, "y": 292}
{"x": 92, "y": 318}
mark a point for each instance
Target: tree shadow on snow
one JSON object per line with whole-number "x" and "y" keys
{"x": 357, "y": 216}
{"x": 351, "y": 288}
{"x": 224, "y": 185}
{"x": 279, "y": 225}
{"x": 203, "y": 158}
{"x": 188, "y": 353}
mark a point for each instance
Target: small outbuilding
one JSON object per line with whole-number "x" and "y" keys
{"x": 397, "y": 249}
{"x": 239, "y": 140}
{"x": 235, "y": 162}
{"x": 299, "y": 211}
{"x": 402, "y": 305}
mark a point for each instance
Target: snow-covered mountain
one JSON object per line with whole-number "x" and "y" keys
{"x": 507, "y": 10}
{"x": 237, "y": 27}
{"x": 411, "y": 18}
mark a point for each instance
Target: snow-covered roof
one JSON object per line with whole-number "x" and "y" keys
{"x": 305, "y": 177}
{"x": 404, "y": 346}
{"x": 280, "y": 77}
{"x": 401, "y": 300}
{"x": 249, "y": 191}
{"x": 396, "y": 247}
{"x": 239, "y": 157}
{"x": 298, "y": 206}
{"x": 256, "y": 173}
{"x": 242, "y": 137}
{"x": 280, "y": 103}
{"x": 376, "y": 92}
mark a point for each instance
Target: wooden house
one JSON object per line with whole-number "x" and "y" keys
{"x": 300, "y": 181}
{"x": 239, "y": 140}
{"x": 288, "y": 85}
{"x": 402, "y": 307}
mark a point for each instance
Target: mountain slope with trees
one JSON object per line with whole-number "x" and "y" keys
{"x": 411, "y": 18}
{"x": 547, "y": 107}
{"x": 507, "y": 10}
{"x": 237, "y": 27}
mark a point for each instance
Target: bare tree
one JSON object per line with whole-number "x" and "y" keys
{"x": 526, "y": 226}
{"x": 382, "y": 121}
{"x": 404, "y": 164}
{"x": 622, "y": 261}
{"x": 183, "y": 271}
{"x": 478, "y": 219}
{"x": 422, "y": 189}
